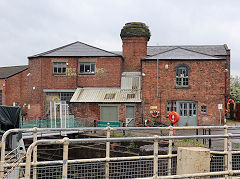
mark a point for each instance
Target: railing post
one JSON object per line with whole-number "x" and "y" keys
{"x": 155, "y": 159}
{"x": 170, "y": 142}
{"x": 34, "y": 153}
{"x": 229, "y": 140}
{"x": 107, "y": 153}
{"x": 225, "y": 148}
{"x": 65, "y": 157}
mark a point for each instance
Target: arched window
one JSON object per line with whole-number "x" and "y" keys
{"x": 182, "y": 75}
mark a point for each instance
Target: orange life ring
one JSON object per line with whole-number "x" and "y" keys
{"x": 155, "y": 114}
{"x": 230, "y": 100}
{"x": 173, "y": 117}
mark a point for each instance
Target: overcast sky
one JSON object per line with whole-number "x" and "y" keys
{"x": 28, "y": 27}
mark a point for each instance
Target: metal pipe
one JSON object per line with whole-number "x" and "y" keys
{"x": 107, "y": 153}
{"x": 35, "y": 154}
{"x": 170, "y": 152}
{"x": 229, "y": 155}
{"x": 65, "y": 157}
{"x": 157, "y": 75}
{"x": 155, "y": 159}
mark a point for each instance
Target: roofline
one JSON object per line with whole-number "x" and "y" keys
{"x": 49, "y": 51}
{"x": 15, "y": 73}
{"x": 180, "y": 45}
{"x": 33, "y": 58}
{"x": 183, "y": 49}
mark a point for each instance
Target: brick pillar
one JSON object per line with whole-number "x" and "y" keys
{"x": 134, "y": 48}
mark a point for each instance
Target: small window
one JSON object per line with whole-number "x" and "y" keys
{"x": 204, "y": 109}
{"x": 0, "y": 97}
{"x": 130, "y": 96}
{"x": 59, "y": 68}
{"x": 109, "y": 96}
{"x": 87, "y": 68}
{"x": 171, "y": 106}
{"x": 66, "y": 96}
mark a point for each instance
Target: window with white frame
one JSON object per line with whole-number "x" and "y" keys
{"x": 87, "y": 67}
{"x": 182, "y": 75}
{"x": 59, "y": 68}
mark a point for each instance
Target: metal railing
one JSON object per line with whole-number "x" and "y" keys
{"x": 65, "y": 165}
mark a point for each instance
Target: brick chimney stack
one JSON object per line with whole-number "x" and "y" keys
{"x": 135, "y": 36}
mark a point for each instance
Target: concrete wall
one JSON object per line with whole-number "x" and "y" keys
{"x": 191, "y": 160}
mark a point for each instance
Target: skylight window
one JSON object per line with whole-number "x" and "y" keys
{"x": 110, "y": 96}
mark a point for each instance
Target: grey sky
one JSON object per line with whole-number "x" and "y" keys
{"x": 30, "y": 26}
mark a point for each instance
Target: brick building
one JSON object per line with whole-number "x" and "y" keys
{"x": 13, "y": 85}
{"x": 133, "y": 84}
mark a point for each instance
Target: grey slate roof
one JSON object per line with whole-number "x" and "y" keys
{"x": 6, "y": 72}
{"x": 76, "y": 49}
{"x": 215, "y": 50}
{"x": 182, "y": 54}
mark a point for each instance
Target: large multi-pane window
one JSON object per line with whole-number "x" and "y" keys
{"x": 59, "y": 68}
{"x": 182, "y": 77}
{"x": 0, "y": 97}
{"x": 87, "y": 67}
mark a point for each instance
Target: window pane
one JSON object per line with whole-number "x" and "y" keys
{"x": 64, "y": 69}
{"x": 81, "y": 68}
{"x": 93, "y": 67}
{"x": 87, "y": 68}
{"x": 59, "y": 70}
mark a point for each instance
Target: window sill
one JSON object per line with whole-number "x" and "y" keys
{"x": 59, "y": 74}
{"x": 87, "y": 74}
{"x": 182, "y": 87}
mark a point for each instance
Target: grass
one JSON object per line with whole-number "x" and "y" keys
{"x": 120, "y": 134}
{"x": 188, "y": 143}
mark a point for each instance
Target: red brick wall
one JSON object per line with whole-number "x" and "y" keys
{"x": 109, "y": 70}
{"x": 134, "y": 48}
{"x": 206, "y": 81}
{"x": 16, "y": 89}
{"x": 2, "y": 87}
{"x": 91, "y": 111}
{"x": 108, "y": 74}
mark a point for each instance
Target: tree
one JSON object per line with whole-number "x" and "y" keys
{"x": 235, "y": 88}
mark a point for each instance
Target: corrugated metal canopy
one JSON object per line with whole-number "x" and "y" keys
{"x": 105, "y": 95}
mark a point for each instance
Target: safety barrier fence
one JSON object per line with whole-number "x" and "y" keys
{"x": 152, "y": 166}
{"x": 47, "y": 123}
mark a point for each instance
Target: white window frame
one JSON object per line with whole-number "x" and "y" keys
{"x": 91, "y": 71}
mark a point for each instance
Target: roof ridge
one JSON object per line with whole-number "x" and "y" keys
{"x": 181, "y": 45}
{"x": 199, "y": 52}
{"x": 182, "y": 49}
{"x": 14, "y": 66}
{"x": 53, "y": 50}
{"x": 59, "y": 48}
{"x": 98, "y": 48}
{"x": 162, "y": 52}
